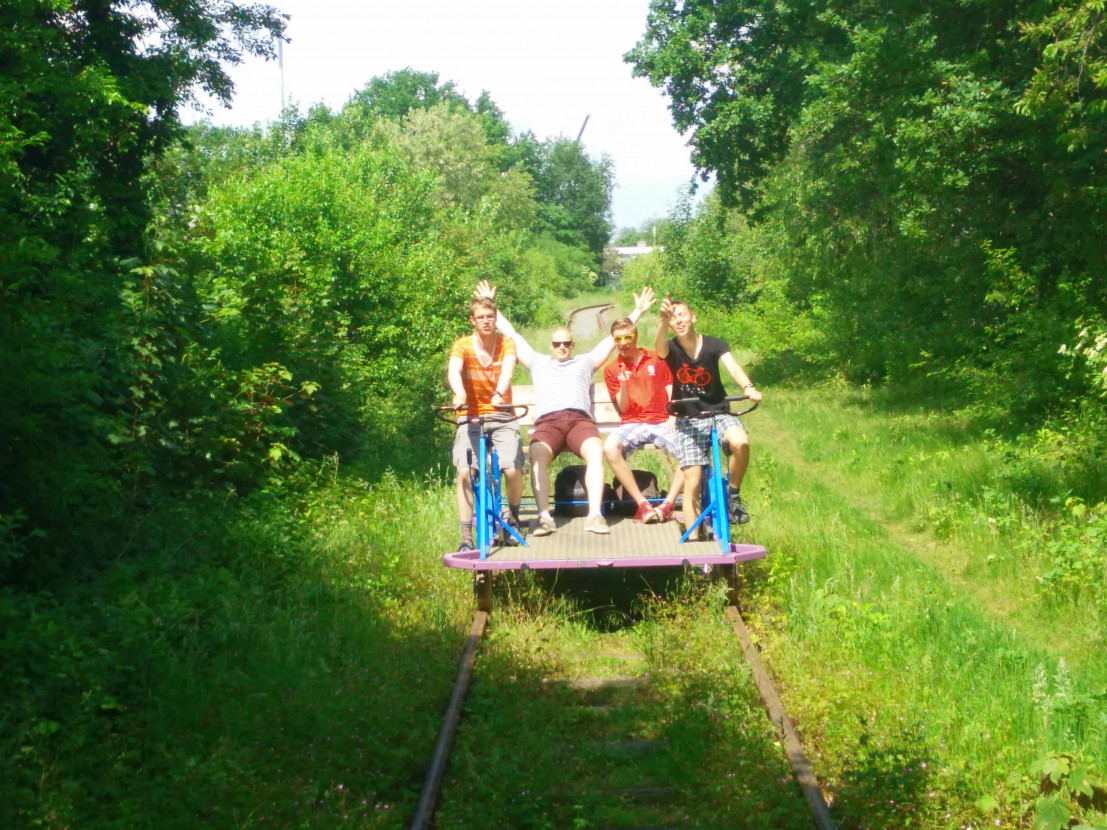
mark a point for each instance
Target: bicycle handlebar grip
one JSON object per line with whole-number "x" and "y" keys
{"x": 451, "y": 414}
{"x": 703, "y": 413}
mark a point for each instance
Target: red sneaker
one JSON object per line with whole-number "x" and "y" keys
{"x": 645, "y": 513}
{"x": 664, "y": 511}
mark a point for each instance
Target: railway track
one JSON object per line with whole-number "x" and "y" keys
{"x": 613, "y": 746}
{"x": 587, "y": 320}
{"x": 625, "y": 775}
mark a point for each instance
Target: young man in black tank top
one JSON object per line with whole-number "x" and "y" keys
{"x": 694, "y": 360}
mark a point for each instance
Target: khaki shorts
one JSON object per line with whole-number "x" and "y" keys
{"x": 503, "y": 437}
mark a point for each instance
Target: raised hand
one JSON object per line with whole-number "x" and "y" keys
{"x": 643, "y": 301}
{"x": 666, "y": 308}
{"x": 485, "y": 289}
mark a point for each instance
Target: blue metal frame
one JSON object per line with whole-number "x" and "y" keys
{"x": 485, "y": 481}
{"x": 717, "y": 476}
{"x": 715, "y": 506}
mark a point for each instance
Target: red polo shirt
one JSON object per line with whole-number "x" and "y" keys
{"x": 646, "y": 382}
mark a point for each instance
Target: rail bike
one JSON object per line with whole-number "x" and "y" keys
{"x": 629, "y": 544}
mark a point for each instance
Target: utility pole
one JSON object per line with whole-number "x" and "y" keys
{"x": 582, "y": 126}
{"x": 280, "y": 63}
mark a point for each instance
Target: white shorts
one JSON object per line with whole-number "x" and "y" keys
{"x": 633, "y": 436}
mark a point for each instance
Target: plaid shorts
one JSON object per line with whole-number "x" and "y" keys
{"x": 633, "y": 436}
{"x": 694, "y": 449}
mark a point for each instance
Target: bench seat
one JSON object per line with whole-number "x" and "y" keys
{"x": 604, "y": 411}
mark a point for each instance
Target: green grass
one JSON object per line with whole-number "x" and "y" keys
{"x": 533, "y": 753}
{"x": 285, "y": 660}
{"x": 286, "y": 668}
{"x": 924, "y": 677}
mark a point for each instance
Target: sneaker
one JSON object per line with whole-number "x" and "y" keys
{"x": 596, "y": 524}
{"x": 664, "y": 511}
{"x": 465, "y": 547}
{"x": 738, "y": 513}
{"x": 510, "y": 521}
{"x": 645, "y": 513}
{"x": 546, "y": 525}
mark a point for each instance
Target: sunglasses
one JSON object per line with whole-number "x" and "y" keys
{"x": 561, "y": 344}
{"x": 625, "y": 338}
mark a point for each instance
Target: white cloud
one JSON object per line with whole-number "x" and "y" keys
{"x": 547, "y": 65}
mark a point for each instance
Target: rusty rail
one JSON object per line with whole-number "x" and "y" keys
{"x": 428, "y": 797}
{"x": 793, "y": 749}
{"x": 599, "y": 309}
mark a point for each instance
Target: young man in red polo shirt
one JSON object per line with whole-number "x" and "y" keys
{"x": 639, "y": 383}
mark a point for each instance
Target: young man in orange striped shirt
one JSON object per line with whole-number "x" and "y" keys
{"x": 479, "y": 373}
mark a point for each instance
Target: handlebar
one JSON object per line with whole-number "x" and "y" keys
{"x": 452, "y": 414}
{"x": 704, "y": 413}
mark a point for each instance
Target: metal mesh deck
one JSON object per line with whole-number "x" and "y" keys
{"x": 629, "y": 545}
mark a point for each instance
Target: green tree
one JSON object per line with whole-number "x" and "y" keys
{"x": 734, "y": 74}
{"x": 338, "y": 266}
{"x": 651, "y": 231}
{"x": 573, "y": 191}
{"x": 395, "y": 94}
{"x": 908, "y": 157}
{"x": 454, "y": 145}
{"x": 704, "y": 247}
{"x": 90, "y": 90}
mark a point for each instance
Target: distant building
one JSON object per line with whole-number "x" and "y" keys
{"x": 623, "y": 254}
{"x": 643, "y": 247}
{"x": 615, "y": 257}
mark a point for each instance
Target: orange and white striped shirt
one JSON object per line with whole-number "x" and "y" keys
{"x": 479, "y": 380}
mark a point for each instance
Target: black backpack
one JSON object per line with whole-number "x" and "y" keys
{"x": 569, "y": 487}
{"x": 647, "y": 483}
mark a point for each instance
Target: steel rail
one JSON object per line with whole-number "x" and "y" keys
{"x": 428, "y": 797}
{"x": 801, "y": 768}
{"x": 600, "y": 322}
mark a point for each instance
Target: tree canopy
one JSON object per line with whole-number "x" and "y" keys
{"x": 89, "y": 92}
{"x": 194, "y": 315}
{"x": 925, "y": 177}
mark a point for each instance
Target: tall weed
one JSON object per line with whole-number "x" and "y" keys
{"x": 280, "y": 659}
{"x": 904, "y": 613}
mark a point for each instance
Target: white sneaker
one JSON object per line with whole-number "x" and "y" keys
{"x": 546, "y": 525}
{"x": 596, "y": 524}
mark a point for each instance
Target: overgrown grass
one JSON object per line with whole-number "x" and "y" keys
{"x": 900, "y": 609}
{"x": 284, "y": 659}
{"x": 534, "y": 753}
{"x": 277, "y": 663}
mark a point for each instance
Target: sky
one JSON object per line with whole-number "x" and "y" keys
{"x": 547, "y": 65}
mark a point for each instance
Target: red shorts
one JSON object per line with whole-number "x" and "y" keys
{"x": 564, "y": 428}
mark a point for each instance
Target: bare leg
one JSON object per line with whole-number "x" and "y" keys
{"x": 513, "y": 480}
{"x": 613, "y": 451}
{"x": 692, "y": 478}
{"x": 464, "y": 496}
{"x": 540, "y": 458}
{"x": 739, "y": 455}
{"x": 592, "y": 453}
